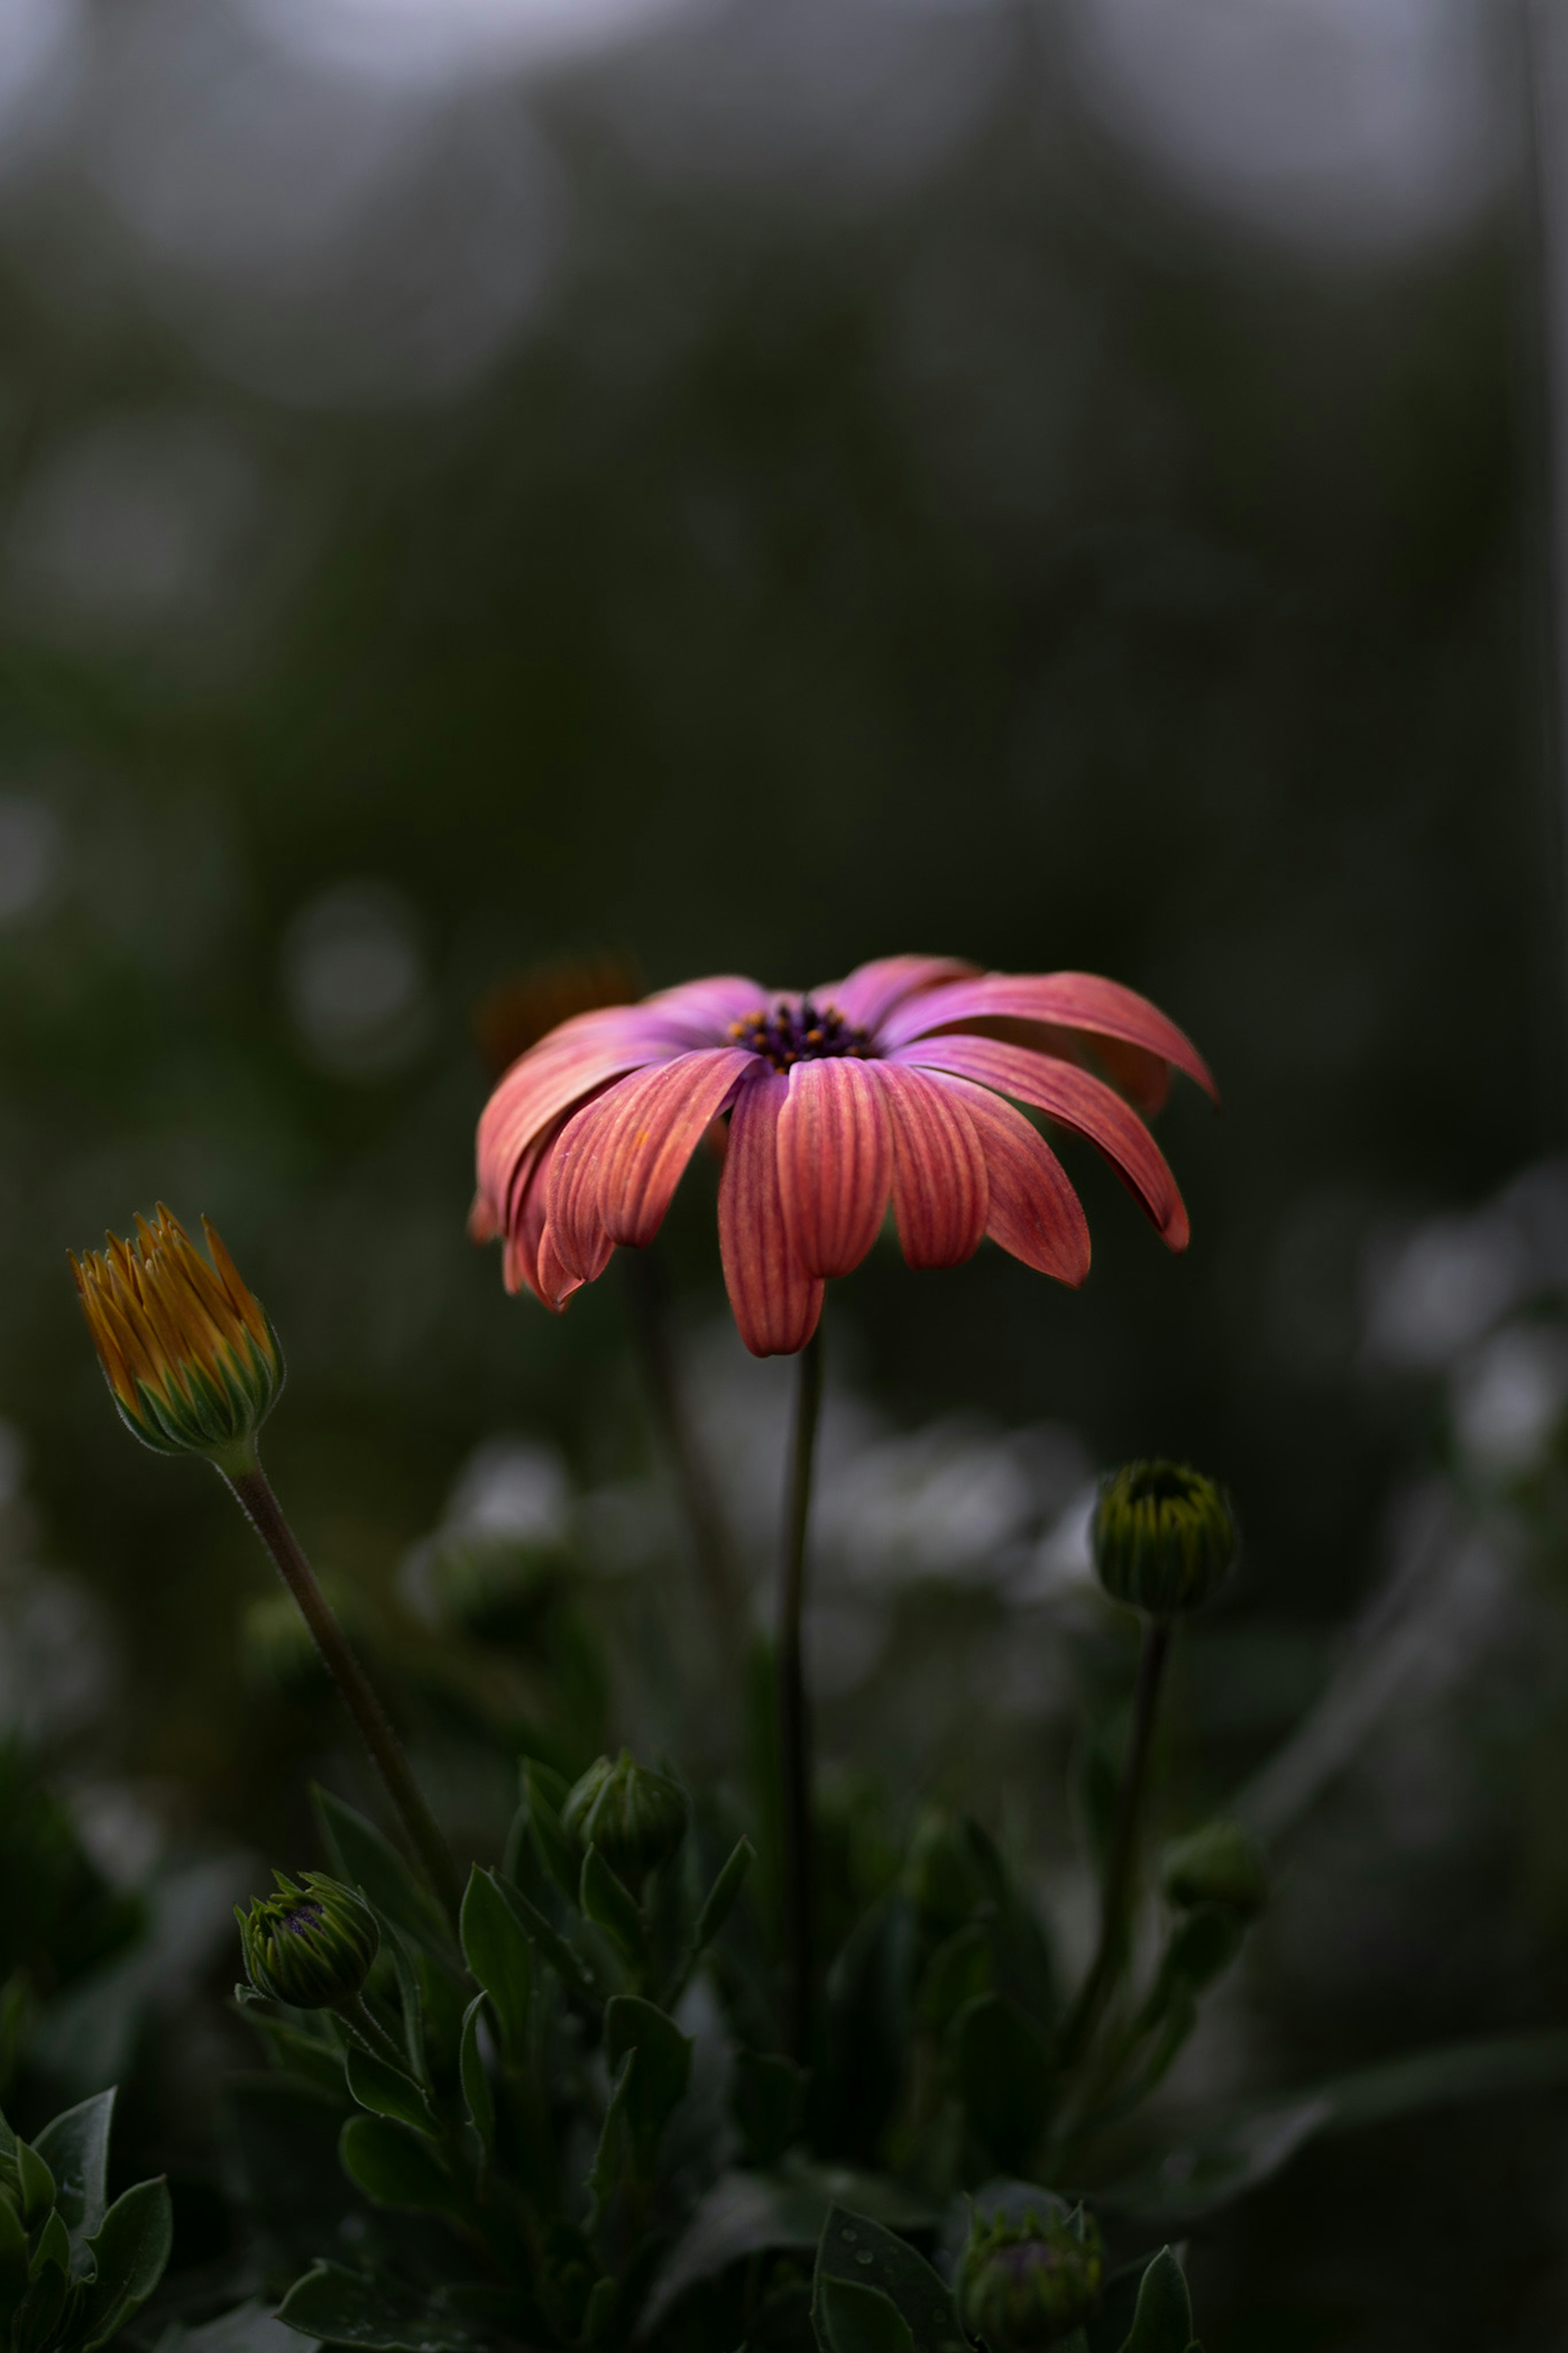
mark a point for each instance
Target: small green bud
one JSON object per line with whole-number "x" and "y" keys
{"x": 940, "y": 1878}
{"x": 635, "y": 1817}
{"x": 496, "y": 1587}
{"x": 1164, "y": 1537}
{"x": 1221, "y": 1864}
{"x": 310, "y": 1946}
{"x": 1029, "y": 2283}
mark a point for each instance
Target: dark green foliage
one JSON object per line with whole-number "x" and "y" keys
{"x": 73, "y": 2268}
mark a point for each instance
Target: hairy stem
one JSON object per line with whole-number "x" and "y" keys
{"x": 795, "y": 1723}
{"x": 1121, "y": 1863}
{"x": 362, "y": 2022}
{"x": 265, "y": 1513}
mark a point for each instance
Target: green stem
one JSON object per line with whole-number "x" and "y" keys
{"x": 795, "y": 1723}
{"x": 1121, "y": 1863}
{"x": 362, "y": 2022}
{"x": 262, "y": 1508}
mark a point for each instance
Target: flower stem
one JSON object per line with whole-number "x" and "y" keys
{"x": 266, "y": 1515}
{"x": 795, "y": 1723}
{"x": 1122, "y": 1862}
{"x": 367, "y": 2030}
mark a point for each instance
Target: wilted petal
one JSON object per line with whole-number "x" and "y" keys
{"x": 1032, "y": 1210}
{"x": 868, "y": 995}
{"x": 1078, "y": 1102}
{"x": 774, "y": 1302}
{"x": 836, "y": 1163}
{"x": 1066, "y": 1000}
{"x": 941, "y": 1192}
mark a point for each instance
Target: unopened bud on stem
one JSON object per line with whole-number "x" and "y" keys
{"x": 1164, "y": 1537}
{"x": 312, "y": 1945}
{"x": 1026, "y": 2283}
{"x": 635, "y": 1817}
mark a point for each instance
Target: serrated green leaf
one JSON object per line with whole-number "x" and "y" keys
{"x": 1162, "y": 2321}
{"x": 854, "y": 2319}
{"x": 611, "y": 1906}
{"x": 379, "y": 2315}
{"x": 854, "y": 2249}
{"x": 1004, "y": 2078}
{"x": 366, "y": 1859}
{"x": 394, "y": 2168}
{"x": 386, "y": 2090}
{"x": 721, "y": 1898}
{"x": 500, "y": 1958}
{"x": 663, "y": 2070}
{"x": 477, "y": 2093}
{"x": 75, "y": 2146}
{"x": 129, "y": 2251}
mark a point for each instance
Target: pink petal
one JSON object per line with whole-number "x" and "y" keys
{"x": 707, "y": 1008}
{"x": 1079, "y": 1101}
{"x": 528, "y": 1262}
{"x": 642, "y": 1133}
{"x": 940, "y": 1192}
{"x": 870, "y": 992}
{"x": 1033, "y": 1211}
{"x": 1067, "y": 1000}
{"x": 776, "y": 1303}
{"x": 574, "y": 1242}
{"x": 836, "y": 1163}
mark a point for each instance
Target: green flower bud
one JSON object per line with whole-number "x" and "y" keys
{"x": 1164, "y": 1537}
{"x": 940, "y": 1878}
{"x": 1221, "y": 1864}
{"x": 635, "y": 1817}
{"x": 310, "y": 1946}
{"x": 1029, "y": 2283}
{"x": 496, "y": 1587}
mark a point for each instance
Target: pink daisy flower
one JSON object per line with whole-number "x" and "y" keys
{"x": 888, "y": 1085}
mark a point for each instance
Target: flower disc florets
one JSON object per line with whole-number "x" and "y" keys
{"x": 806, "y": 1032}
{"x": 635, "y": 1817}
{"x": 191, "y": 1362}
{"x": 1029, "y": 2283}
{"x": 1164, "y": 1537}
{"x": 312, "y": 1945}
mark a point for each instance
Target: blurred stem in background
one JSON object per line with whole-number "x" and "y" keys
{"x": 795, "y": 1726}
{"x": 261, "y": 1506}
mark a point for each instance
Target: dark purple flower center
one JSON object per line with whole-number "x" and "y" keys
{"x": 800, "y": 1033}
{"x": 305, "y": 1918}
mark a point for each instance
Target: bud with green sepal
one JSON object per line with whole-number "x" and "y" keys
{"x": 636, "y": 1816}
{"x": 1221, "y": 1864}
{"x": 310, "y": 1945}
{"x": 1163, "y": 1536}
{"x": 1028, "y": 2281}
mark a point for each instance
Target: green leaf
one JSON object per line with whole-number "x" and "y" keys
{"x": 854, "y": 2250}
{"x": 768, "y": 2098}
{"x": 410, "y": 2001}
{"x": 544, "y": 1793}
{"x": 300, "y": 2054}
{"x": 130, "y": 2249}
{"x": 612, "y": 1907}
{"x": 1201, "y": 2176}
{"x": 1004, "y": 2078}
{"x": 959, "y": 1971}
{"x": 568, "y": 1964}
{"x": 496, "y": 1948}
{"x": 249, "y": 2328}
{"x": 13, "y": 2263}
{"x": 747, "y": 2213}
{"x": 75, "y": 2146}
{"x": 601, "y": 2309}
{"x": 855, "y": 2318}
{"x": 380, "y": 2316}
{"x": 476, "y": 2082}
{"x": 396, "y": 2169}
{"x": 36, "y": 2182}
{"x": 53, "y": 2250}
{"x": 604, "y": 2173}
{"x": 361, "y": 1855}
{"x": 386, "y": 2090}
{"x": 662, "y": 2073}
{"x": 719, "y": 1900}
{"x": 1163, "y": 2322}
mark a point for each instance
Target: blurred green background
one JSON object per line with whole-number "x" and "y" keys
{"x": 748, "y": 489}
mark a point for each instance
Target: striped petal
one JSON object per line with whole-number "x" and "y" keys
{"x": 527, "y": 1263}
{"x": 1078, "y": 1102}
{"x": 940, "y": 1192}
{"x": 1062, "y": 1001}
{"x": 621, "y": 1157}
{"x": 870, "y": 992}
{"x": 836, "y": 1163}
{"x": 774, "y": 1302}
{"x": 1032, "y": 1210}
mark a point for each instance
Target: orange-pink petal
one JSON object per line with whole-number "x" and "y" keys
{"x": 774, "y": 1302}
{"x": 868, "y": 995}
{"x": 1078, "y": 1102}
{"x": 1067, "y": 1000}
{"x": 638, "y": 1136}
{"x": 1032, "y": 1211}
{"x": 941, "y": 1190}
{"x": 836, "y": 1163}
